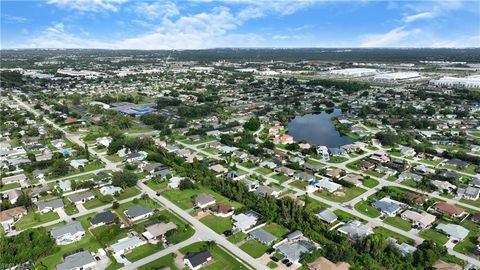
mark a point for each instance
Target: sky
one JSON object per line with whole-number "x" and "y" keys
{"x": 200, "y": 24}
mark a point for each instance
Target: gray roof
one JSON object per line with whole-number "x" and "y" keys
{"x": 197, "y": 258}
{"x": 294, "y": 250}
{"x": 70, "y": 228}
{"x": 77, "y": 197}
{"x": 294, "y": 235}
{"x": 76, "y": 261}
{"x": 262, "y": 236}
{"x": 137, "y": 210}
{"x": 57, "y": 203}
{"x": 326, "y": 215}
{"x": 355, "y": 229}
{"x": 453, "y": 230}
{"x": 388, "y": 207}
{"x": 104, "y": 217}
{"x": 204, "y": 198}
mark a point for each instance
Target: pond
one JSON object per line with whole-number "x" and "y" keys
{"x": 318, "y": 129}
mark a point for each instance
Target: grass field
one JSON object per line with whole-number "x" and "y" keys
{"x": 350, "y": 193}
{"x": 399, "y": 223}
{"x": 300, "y": 184}
{"x": 369, "y": 182}
{"x": 254, "y": 248}
{"x": 156, "y": 185}
{"x": 127, "y": 193}
{"x": 237, "y": 238}
{"x": 218, "y": 224}
{"x": 264, "y": 171}
{"x": 280, "y": 177}
{"x": 167, "y": 260}
{"x": 9, "y": 186}
{"x": 33, "y": 219}
{"x": 276, "y": 229}
{"x": 344, "y": 216}
{"x": 431, "y": 234}
{"x": 365, "y": 208}
{"x": 143, "y": 251}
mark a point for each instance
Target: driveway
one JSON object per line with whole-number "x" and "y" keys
{"x": 81, "y": 208}
{"x": 61, "y": 213}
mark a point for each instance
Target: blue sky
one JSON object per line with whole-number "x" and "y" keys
{"x": 195, "y": 24}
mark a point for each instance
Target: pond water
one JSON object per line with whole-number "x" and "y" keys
{"x": 318, "y": 129}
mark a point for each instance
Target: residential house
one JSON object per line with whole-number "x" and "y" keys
{"x": 110, "y": 190}
{"x": 49, "y": 206}
{"x": 457, "y": 163}
{"x": 69, "y": 233}
{"x": 77, "y": 163}
{"x": 244, "y": 221}
{"x": 353, "y": 179}
{"x": 313, "y": 167}
{"x": 174, "y": 182}
{"x": 218, "y": 168}
{"x": 454, "y": 231}
{"x": 295, "y": 246}
{"x": 448, "y": 209}
{"x": 420, "y": 220}
{"x": 78, "y": 260}
{"x": 136, "y": 156}
{"x": 285, "y": 171}
{"x": 196, "y": 260}
{"x": 469, "y": 193}
{"x": 103, "y": 141}
{"x": 366, "y": 165}
{"x": 157, "y": 230}
{"x": 13, "y": 195}
{"x": 283, "y": 139}
{"x": 380, "y": 156}
{"x": 103, "y": 218}
{"x": 323, "y": 152}
{"x": 355, "y": 230}
{"x": 14, "y": 179}
{"x": 388, "y": 206}
{"x": 80, "y": 198}
{"x": 410, "y": 176}
{"x": 137, "y": 212}
{"x": 222, "y": 210}
{"x": 65, "y": 185}
{"x": 404, "y": 248}
{"x": 301, "y": 175}
{"x": 262, "y": 236}
{"x": 266, "y": 190}
{"x": 407, "y": 151}
{"x": 444, "y": 185}
{"x": 126, "y": 244}
{"x": 424, "y": 169}
{"x": 204, "y": 200}
{"x": 441, "y": 265}
{"x": 334, "y": 173}
{"x": 327, "y": 185}
{"x": 326, "y": 215}
{"x": 10, "y": 216}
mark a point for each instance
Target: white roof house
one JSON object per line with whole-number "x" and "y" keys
{"x": 110, "y": 190}
{"x": 126, "y": 244}
{"x": 454, "y": 231}
{"x": 243, "y": 221}
{"x": 328, "y": 185}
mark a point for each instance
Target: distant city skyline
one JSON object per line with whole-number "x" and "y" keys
{"x": 203, "y": 24}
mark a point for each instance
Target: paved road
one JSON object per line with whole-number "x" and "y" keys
{"x": 205, "y": 232}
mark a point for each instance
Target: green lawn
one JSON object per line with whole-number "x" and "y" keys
{"x": 97, "y": 232}
{"x": 184, "y": 198}
{"x": 280, "y": 177}
{"x": 9, "y": 186}
{"x": 387, "y": 233}
{"x": 335, "y": 159}
{"x": 238, "y": 237}
{"x": 300, "y": 184}
{"x": 276, "y": 229}
{"x": 374, "y": 173}
{"x": 272, "y": 265}
{"x": 367, "y": 209}
{"x": 468, "y": 245}
{"x": 474, "y": 203}
{"x": 218, "y": 224}
{"x": 95, "y": 203}
{"x": 392, "y": 178}
{"x": 264, "y": 171}
{"x": 254, "y": 248}
{"x": 167, "y": 260}
{"x": 344, "y": 216}
{"x": 431, "y": 234}
{"x": 143, "y": 251}
{"x": 399, "y": 223}
{"x": 87, "y": 242}
{"x": 409, "y": 183}
{"x": 312, "y": 204}
{"x": 127, "y": 193}
{"x": 115, "y": 158}
{"x": 369, "y": 182}
{"x": 148, "y": 203}
{"x": 350, "y": 193}
{"x": 247, "y": 164}
{"x": 34, "y": 219}
{"x": 156, "y": 185}
{"x": 70, "y": 209}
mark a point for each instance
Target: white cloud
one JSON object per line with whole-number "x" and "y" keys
{"x": 397, "y": 37}
{"x": 88, "y": 5}
{"x": 13, "y": 19}
{"x": 419, "y": 16}
{"x": 157, "y": 10}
